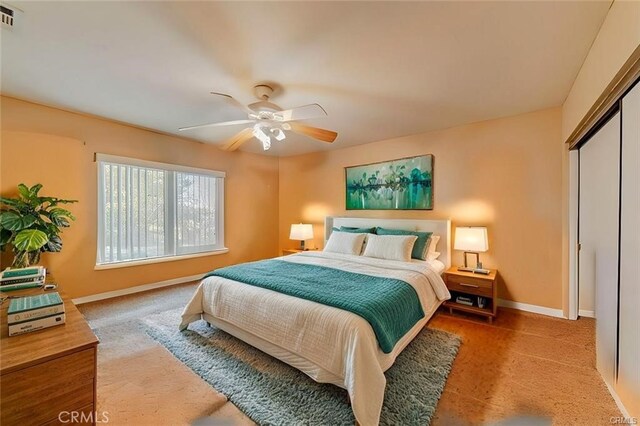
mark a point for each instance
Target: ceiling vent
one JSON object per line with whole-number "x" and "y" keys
{"x": 8, "y": 15}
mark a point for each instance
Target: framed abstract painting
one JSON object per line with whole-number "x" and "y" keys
{"x": 403, "y": 184}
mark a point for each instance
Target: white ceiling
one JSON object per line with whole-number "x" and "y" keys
{"x": 380, "y": 69}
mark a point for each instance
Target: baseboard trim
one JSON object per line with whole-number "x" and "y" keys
{"x": 136, "y": 289}
{"x": 543, "y": 310}
{"x": 585, "y": 313}
{"x": 619, "y": 403}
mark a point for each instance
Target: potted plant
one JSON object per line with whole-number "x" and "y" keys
{"x": 32, "y": 224}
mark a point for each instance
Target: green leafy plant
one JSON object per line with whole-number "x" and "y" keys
{"x": 32, "y": 224}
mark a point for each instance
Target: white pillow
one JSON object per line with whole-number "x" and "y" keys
{"x": 433, "y": 255}
{"x": 391, "y": 247}
{"x": 345, "y": 243}
{"x": 433, "y": 243}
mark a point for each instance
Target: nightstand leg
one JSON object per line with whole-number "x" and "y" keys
{"x": 490, "y": 320}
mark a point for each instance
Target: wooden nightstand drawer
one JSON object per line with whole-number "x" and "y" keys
{"x": 471, "y": 288}
{"x": 470, "y": 282}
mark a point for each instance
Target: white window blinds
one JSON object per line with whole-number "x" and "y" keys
{"x": 152, "y": 210}
{"x": 195, "y": 213}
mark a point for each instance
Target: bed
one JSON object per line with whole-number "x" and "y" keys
{"x": 329, "y": 344}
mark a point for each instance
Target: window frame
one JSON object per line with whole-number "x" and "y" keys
{"x": 170, "y": 207}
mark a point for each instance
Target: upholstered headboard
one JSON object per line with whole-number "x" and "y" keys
{"x": 438, "y": 227}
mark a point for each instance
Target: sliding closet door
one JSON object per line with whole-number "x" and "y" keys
{"x": 598, "y": 237}
{"x": 628, "y": 386}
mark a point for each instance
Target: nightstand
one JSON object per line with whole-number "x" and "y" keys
{"x": 476, "y": 287}
{"x": 286, "y": 252}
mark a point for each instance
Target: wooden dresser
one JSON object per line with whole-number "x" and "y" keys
{"x": 48, "y": 374}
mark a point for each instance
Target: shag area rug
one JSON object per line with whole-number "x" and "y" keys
{"x": 271, "y": 392}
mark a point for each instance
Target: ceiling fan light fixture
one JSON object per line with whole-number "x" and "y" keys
{"x": 260, "y": 134}
{"x": 278, "y": 134}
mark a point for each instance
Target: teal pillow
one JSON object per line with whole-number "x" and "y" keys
{"x": 420, "y": 247}
{"x": 357, "y": 230}
{"x": 354, "y": 230}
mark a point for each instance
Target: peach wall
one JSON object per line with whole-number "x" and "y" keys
{"x": 505, "y": 174}
{"x": 618, "y": 38}
{"x": 56, "y": 148}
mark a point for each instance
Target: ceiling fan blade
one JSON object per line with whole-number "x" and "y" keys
{"x": 238, "y": 139}
{"x": 224, "y": 123}
{"x": 300, "y": 113}
{"x": 314, "y": 132}
{"x": 235, "y": 102}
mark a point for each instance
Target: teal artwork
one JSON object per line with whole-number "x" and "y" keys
{"x": 404, "y": 184}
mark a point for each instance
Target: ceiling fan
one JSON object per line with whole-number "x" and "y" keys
{"x": 268, "y": 121}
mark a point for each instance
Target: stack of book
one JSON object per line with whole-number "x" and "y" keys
{"x": 33, "y": 313}
{"x": 20, "y": 278}
{"x": 464, "y": 300}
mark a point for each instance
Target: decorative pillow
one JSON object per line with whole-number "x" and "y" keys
{"x": 358, "y": 230}
{"x": 419, "y": 248}
{"x": 433, "y": 255}
{"x": 433, "y": 243}
{"x": 391, "y": 247}
{"x": 345, "y": 243}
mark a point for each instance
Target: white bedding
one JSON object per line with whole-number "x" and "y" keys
{"x": 329, "y": 344}
{"x": 434, "y": 264}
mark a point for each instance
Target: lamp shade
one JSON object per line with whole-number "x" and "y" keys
{"x": 301, "y": 232}
{"x": 471, "y": 239}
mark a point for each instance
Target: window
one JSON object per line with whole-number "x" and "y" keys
{"x": 150, "y": 210}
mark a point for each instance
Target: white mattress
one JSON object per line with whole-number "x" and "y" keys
{"x": 329, "y": 344}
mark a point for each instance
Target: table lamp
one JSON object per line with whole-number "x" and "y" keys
{"x": 301, "y": 232}
{"x": 472, "y": 239}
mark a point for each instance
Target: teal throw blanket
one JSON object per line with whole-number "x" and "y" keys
{"x": 390, "y": 305}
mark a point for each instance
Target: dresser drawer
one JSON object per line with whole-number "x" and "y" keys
{"x": 37, "y": 394}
